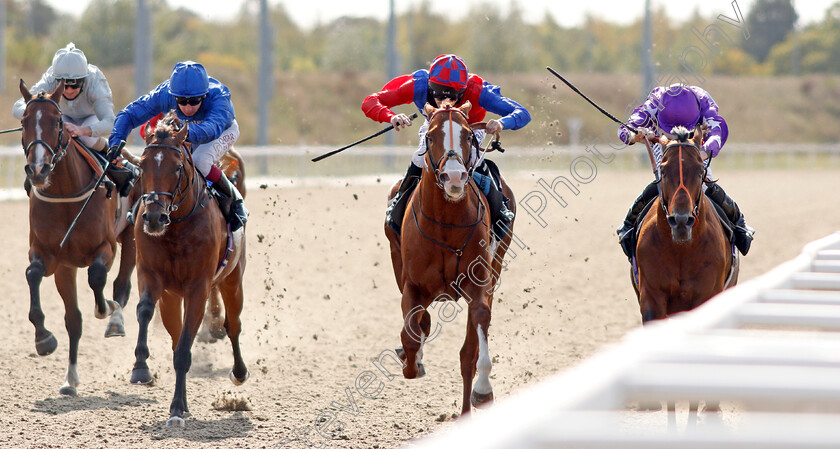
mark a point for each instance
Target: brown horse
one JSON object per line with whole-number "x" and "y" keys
{"x": 446, "y": 251}
{"x": 183, "y": 250}
{"x": 684, "y": 256}
{"x": 62, "y": 179}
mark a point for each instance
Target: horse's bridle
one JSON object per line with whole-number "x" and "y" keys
{"x": 438, "y": 166}
{"x": 665, "y": 206}
{"x": 153, "y": 196}
{"x": 55, "y": 157}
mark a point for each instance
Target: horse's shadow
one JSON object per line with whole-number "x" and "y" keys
{"x": 66, "y": 404}
{"x": 234, "y": 426}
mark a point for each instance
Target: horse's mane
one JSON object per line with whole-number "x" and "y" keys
{"x": 167, "y": 126}
{"x": 41, "y": 94}
{"x": 681, "y": 133}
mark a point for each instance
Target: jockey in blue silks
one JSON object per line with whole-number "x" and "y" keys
{"x": 664, "y": 109}
{"x": 204, "y": 103}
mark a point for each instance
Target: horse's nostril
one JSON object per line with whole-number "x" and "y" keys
{"x": 444, "y": 177}
{"x": 164, "y": 219}
{"x": 145, "y": 217}
{"x": 28, "y": 170}
{"x": 690, "y": 221}
{"x": 672, "y": 220}
{"x": 464, "y": 177}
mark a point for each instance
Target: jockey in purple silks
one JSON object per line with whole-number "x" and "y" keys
{"x": 664, "y": 109}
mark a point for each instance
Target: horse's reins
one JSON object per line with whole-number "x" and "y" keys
{"x": 696, "y": 210}
{"x": 153, "y": 196}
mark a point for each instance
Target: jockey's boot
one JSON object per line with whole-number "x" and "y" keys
{"x": 238, "y": 215}
{"x": 627, "y": 229}
{"x": 396, "y": 210}
{"x": 743, "y": 232}
{"x": 500, "y": 215}
{"x": 124, "y": 174}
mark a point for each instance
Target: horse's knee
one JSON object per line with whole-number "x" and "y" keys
{"x": 481, "y": 315}
{"x": 97, "y": 275}
{"x": 35, "y": 272}
{"x": 182, "y": 359}
{"x": 145, "y": 310}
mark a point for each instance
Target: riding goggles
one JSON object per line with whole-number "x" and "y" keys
{"x": 192, "y": 101}
{"x": 73, "y": 83}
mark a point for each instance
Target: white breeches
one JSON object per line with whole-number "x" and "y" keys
{"x": 207, "y": 154}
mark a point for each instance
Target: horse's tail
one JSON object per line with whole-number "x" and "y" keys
{"x": 681, "y": 133}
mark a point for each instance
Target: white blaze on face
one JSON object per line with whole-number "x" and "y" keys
{"x": 451, "y": 136}
{"x": 40, "y": 151}
{"x": 159, "y": 158}
{"x": 483, "y": 365}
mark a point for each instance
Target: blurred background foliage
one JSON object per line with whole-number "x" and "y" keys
{"x": 323, "y": 72}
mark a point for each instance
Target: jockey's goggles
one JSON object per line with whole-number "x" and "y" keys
{"x": 73, "y": 83}
{"x": 440, "y": 92}
{"x": 192, "y": 101}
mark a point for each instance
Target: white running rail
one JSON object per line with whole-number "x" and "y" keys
{"x": 769, "y": 349}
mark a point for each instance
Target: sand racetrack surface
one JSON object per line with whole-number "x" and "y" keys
{"x": 321, "y": 303}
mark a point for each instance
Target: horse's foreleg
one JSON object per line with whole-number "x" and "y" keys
{"x": 145, "y": 311}
{"x": 65, "y": 282}
{"x": 233, "y": 297}
{"x": 122, "y": 284}
{"x": 412, "y": 335}
{"x": 45, "y": 342}
{"x": 97, "y": 278}
{"x": 182, "y": 357}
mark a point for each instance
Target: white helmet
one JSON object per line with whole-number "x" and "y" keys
{"x": 69, "y": 63}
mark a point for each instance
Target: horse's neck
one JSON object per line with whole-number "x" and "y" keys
{"x": 71, "y": 174}
{"x": 193, "y": 185}
{"x": 435, "y": 205}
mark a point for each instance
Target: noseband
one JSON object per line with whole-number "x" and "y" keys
{"x": 438, "y": 166}
{"x": 61, "y": 146}
{"x": 665, "y": 206}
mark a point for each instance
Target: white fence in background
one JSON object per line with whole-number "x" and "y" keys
{"x": 769, "y": 349}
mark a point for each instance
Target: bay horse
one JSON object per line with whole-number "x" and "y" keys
{"x": 184, "y": 248}
{"x": 446, "y": 251}
{"x": 683, "y": 254}
{"x": 62, "y": 177}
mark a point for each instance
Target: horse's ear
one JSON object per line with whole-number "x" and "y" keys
{"x": 24, "y": 90}
{"x": 429, "y": 109}
{"x": 698, "y": 136}
{"x": 465, "y": 108}
{"x": 148, "y": 131}
{"x": 182, "y": 133}
{"x": 59, "y": 90}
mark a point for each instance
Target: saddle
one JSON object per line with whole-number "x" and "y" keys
{"x": 121, "y": 173}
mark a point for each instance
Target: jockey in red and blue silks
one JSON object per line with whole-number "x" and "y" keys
{"x": 204, "y": 104}
{"x": 446, "y": 78}
{"x": 689, "y": 107}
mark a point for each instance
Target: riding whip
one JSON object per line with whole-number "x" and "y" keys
{"x": 553, "y": 72}
{"x": 390, "y": 127}
{"x": 11, "y": 130}
{"x": 96, "y": 186}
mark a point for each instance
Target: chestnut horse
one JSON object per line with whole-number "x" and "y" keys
{"x": 62, "y": 179}
{"x": 683, "y": 254}
{"x": 446, "y": 251}
{"x": 184, "y": 249}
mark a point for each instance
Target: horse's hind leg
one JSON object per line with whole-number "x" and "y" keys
{"x": 122, "y": 284}
{"x": 212, "y": 326}
{"x": 233, "y": 297}
{"x": 97, "y": 278}
{"x": 475, "y": 359}
{"x": 45, "y": 342}
{"x": 182, "y": 357}
{"x": 65, "y": 282}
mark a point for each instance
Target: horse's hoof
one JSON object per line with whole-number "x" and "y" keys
{"x": 67, "y": 390}
{"x": 110, "y": 305}
{"x": 115, "y": 330}
{"x": 175, "y": 421}
{"x": 141, "y": 376}
{"x": 46, "y": 345}
{"x": 479, "y": 400}
{"x": 236, "y": 381}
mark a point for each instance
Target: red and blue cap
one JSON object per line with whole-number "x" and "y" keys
{"x": 449, "y": 70}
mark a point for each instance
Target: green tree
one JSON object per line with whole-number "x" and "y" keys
{"x": 769, "y": 23}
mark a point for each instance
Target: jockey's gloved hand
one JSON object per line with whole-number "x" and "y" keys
{"x": 494, "y": 127}
{"x": 400, "y": 121}
{"x": 115, "y": 150}
{"x": 642, "y": 134}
